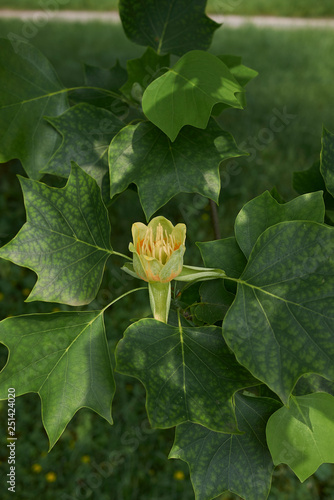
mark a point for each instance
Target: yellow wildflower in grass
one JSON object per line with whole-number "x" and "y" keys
{"x": 36, "y": 468}
{"x": 51, "y": 477}
{"x": 179, "y": 475}
{"x": 158, "y": 250}
{"x": 85, "y": 459}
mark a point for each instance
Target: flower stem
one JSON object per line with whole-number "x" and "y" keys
{"x": 160, "y": 297}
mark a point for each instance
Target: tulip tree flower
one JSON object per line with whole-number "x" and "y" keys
{"x": 158, "y": 250}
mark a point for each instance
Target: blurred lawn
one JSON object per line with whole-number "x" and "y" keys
{"x": 303, "y": 8}
{"x": 296, "y": 73}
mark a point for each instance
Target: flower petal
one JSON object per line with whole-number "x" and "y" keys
{"x": 173, "y": 266}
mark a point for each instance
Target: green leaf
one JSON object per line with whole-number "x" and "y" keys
{"x": 241, "y": 73}
{"x": 280, "y": 326}
{"x": 143, "y": 155}
{"x": 215, "y": 302}
{"x": 313, "y": 383}
{"x": 327, "y": 159}
{"x": 142, "y": 72}
{"x": 29, "y": 90}
{"x": 65, "y": 239}
{"x": 224, "y": 254}
{"x": 302, "y": 435}
{"x": 169, "y": 26}
{"x": 106, "y": 78}
{"x": 277, "y": 195}
{"x": 185, "y": 95}
{"x": 264, "y": 211}
{"x": 62, "y": 356}
{"x": 188, "y": 373}
{"x": 110, "y": 79}
{"x": 86, "y": 134}
{"x": 310, "y": 180}
{"x": 220, "y": 462}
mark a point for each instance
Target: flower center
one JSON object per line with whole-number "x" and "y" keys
{"x": 160, "y": 248}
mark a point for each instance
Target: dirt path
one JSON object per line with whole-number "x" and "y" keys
{"x": 113, "y": 17}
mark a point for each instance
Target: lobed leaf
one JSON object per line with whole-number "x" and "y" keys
{"x": 29, "y": 90}
{"x": 66, "y": 239}
{"x": 221, "y": 462}
{"x": 243, "y": 76}
{"x": 101, "y": 88}
{"x": 86, "y": 132}
{"x": 223, "y": 254}
{"x": 142, "y": 71}
{"x": 264, "y": 211}
{"x": 302, "y": 435}
{"x": 281, "y": 323}
{"x": 169, "y": 26}
{"x": 64, "y": 357}
{"x": 143, "y": 155}
{"x": 189, "y": 373}
{"x": 186, "y": 94}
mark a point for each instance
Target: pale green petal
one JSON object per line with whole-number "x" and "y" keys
{"x": 138, "y": 231}
{"x": 173, "y": 266}
{"x": 191, "y": 273}
{"x": 179, "y": 233}
{"x": 152, "y": 268}
{"x": 165, "y": 223}
{"x": 138, "y": 267}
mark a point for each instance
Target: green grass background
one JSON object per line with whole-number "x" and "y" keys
{"x": 307, "y": 8}
{"x": 295, "y": 71}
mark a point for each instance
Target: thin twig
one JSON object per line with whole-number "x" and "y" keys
{"x": 215, "y": 220}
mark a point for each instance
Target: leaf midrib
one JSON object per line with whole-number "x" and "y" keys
{"x": 68, "y": 348}
{"x": 76, "y": 240}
